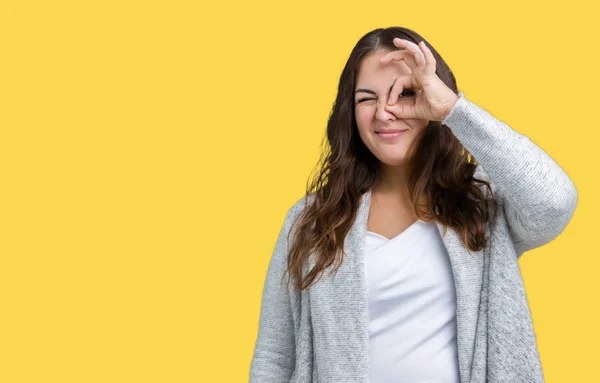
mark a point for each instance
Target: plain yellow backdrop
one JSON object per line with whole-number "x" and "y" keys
{"x": 150, "y": 150}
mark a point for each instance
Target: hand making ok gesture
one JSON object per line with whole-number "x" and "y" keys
{"x": 434, "y": 99}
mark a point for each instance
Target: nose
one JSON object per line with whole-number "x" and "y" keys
{"x": 382, "y": 114}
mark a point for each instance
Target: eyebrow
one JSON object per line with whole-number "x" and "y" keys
{"x": 372, "y": 92}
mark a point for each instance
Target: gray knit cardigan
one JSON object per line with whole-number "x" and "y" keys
{"x": 321, "y": 335}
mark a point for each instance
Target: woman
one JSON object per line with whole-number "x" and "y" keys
{"x": 423, "y": 207}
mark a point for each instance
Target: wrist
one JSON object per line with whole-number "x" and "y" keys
{"x": 450, "y": 107}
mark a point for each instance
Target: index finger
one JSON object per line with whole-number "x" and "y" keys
{"x": 405, "y": 81}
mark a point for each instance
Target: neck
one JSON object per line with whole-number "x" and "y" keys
{"x": 392, "y": 180}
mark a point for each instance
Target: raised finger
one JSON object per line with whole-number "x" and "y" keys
{"x": 431, "y": 63}
{"x": 405, "y": 55}
{"x": 414, "y": 48}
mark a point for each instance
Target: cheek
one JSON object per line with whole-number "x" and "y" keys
{"x": 364, "y": 116}
{"x": 417, "y": 124}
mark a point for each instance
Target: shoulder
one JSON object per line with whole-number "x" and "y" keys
{"x": 481, "y": 174}
{"x": 298, "y": 207}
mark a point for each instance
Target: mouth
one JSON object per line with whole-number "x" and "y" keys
{"x": 391, "y": 133}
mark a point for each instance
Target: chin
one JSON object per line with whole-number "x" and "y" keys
{"x": 391, "y": 161}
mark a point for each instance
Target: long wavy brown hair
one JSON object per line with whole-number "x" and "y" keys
{"x": 439, "y": 171}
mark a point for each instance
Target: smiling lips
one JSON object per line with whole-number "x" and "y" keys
{"x": 390, "y": 133}
{"x": 390, "y": 130}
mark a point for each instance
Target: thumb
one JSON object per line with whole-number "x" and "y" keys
{"x": 402, "y": 110}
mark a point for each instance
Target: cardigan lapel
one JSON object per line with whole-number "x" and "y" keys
{"x": 340, "y": 302}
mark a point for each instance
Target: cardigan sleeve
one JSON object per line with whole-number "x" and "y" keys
{"x": 538, "y": 197}
{"x": 274, "y": 353}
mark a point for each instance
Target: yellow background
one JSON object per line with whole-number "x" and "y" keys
{"x": 150, "y": 150}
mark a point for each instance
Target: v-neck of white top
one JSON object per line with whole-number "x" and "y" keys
{"x": 409, "y": 228}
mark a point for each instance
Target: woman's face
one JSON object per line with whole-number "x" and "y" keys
{"x": 377, "y": 79}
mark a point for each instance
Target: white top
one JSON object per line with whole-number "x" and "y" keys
{"x": 412, "y": 307}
